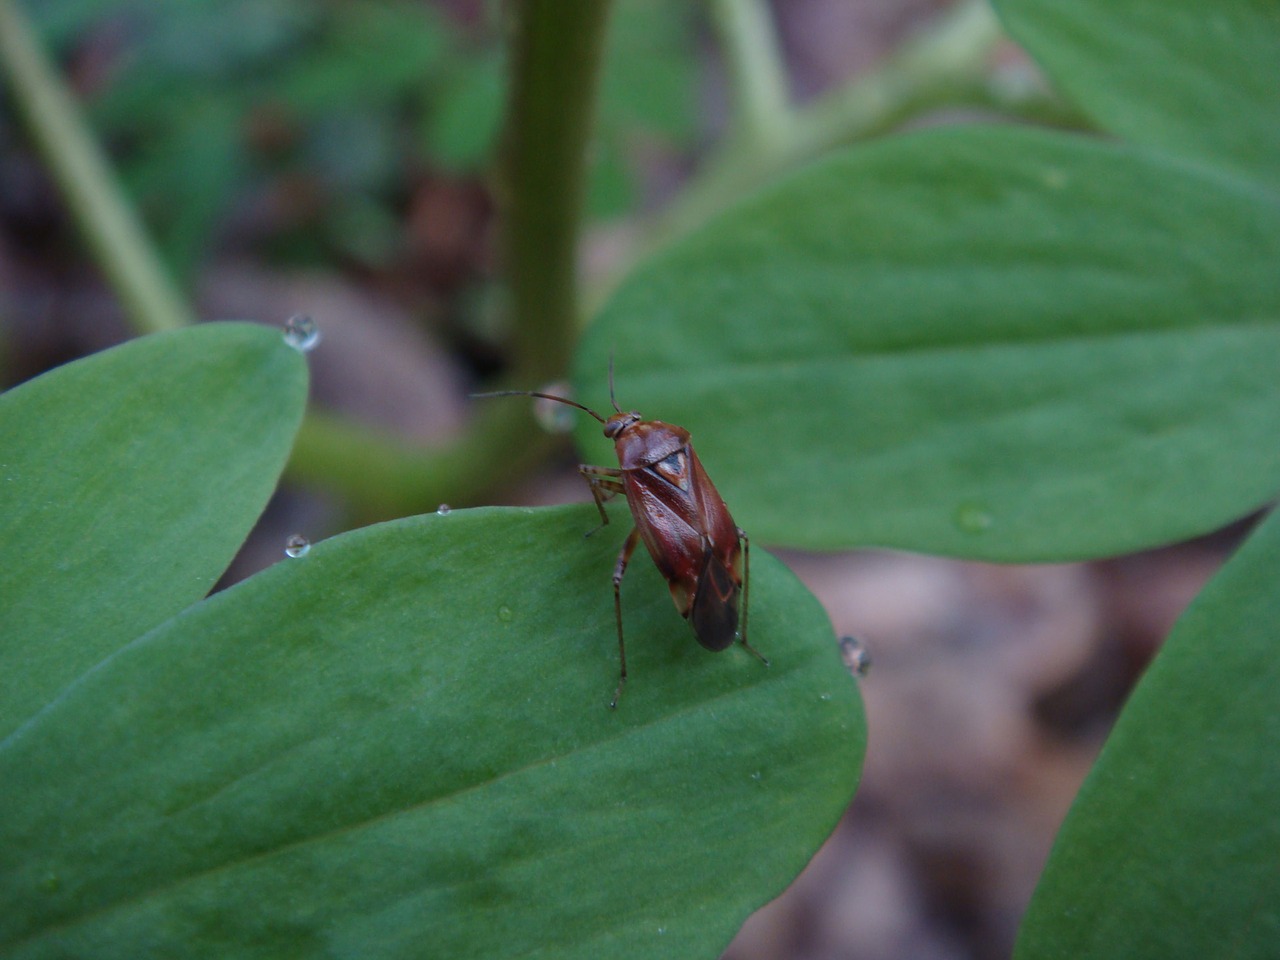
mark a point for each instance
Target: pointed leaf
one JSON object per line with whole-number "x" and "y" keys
{"x": 978, "y": 342}
{"x": 129, "y": 479}
{"x": 1199, "y": 79}
{"x": 399, "y": 746}
{"x": 1172, "y": 846}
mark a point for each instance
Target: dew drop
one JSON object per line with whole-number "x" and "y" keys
{"x": 301, "y": 332}
{"x": 505, "y": 614}
{"x": 444, "y": 509}
{"x": 555, "y": 417}
{"x": 51, "y": 883}
{"x": 973, "y": 518}
{"x": 296, "y": 546}
{"x": 756, "y": 776}
{"x": 856, "y": 656}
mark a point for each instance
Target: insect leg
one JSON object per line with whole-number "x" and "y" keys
{"x": 746, "y": 594}
{"x": 619, "y": 569}
{"x": 604, "y": 483}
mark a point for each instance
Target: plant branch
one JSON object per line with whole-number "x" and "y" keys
{"x": 756, "y": 73}
{"x": 379, "y": 476}
{"x": 947, "y": 65}
{"x": 109, "y": 225}
{"x": 555, "y": 53}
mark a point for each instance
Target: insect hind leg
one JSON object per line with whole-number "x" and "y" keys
{"x": 746, "y": 596}
{"x": 619, "y": 569}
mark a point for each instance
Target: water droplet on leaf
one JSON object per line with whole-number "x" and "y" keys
{"x": 973, "y": 518}
{"x": 505, "y": 614}
{"x": 856, "y": 656}
{"x": 301, "y": 332}
{"x": 444, "y": 509}
{"x": 1055, "y": 178}
{"x": 296, "y": 546}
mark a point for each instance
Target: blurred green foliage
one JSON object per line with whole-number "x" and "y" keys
{"x": 307, "y": 125}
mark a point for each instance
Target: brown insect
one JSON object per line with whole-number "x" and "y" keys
{"x": 681, "y": 519}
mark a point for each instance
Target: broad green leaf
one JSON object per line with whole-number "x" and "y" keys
{"x": 982, "y": 342}
{"x": 399, "y": 745}
{"x": 1172, "y": 846}
{"x": 1201, "y": 79}
{"x": 127, "y": 482}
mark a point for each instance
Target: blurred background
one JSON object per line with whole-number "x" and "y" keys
{"x": 335, "y": 159}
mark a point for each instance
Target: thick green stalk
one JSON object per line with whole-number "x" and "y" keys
{"x": 110, "y": 227}
{"x": 555, "y": 53}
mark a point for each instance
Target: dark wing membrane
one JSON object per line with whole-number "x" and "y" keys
{"x": 714, "y": 614}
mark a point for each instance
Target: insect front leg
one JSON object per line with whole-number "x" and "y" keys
{"x": 746, "y": 595}
{"x": 604, "y": 483}
{"x": 618, "y": 570}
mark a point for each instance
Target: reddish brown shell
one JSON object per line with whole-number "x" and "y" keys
{"x": 685, "y": 526}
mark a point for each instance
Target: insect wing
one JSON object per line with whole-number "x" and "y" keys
{"x": 714, "y": 614}
{"x": 667, "y": 517}
{"x": 715, "y": 522}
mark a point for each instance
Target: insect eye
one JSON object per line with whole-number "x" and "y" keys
{"x": 619, "y": 422}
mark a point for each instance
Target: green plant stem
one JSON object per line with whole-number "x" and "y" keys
{"x": 757, "y": 74}
{"x": 379, "y": 476}
{"x": 554, "y": 69}
{"x": 110, "y": 227}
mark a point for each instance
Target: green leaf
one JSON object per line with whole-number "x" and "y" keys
{"x": 1202, "y": 79}
{"x": 399, "y": 746}
{"x": 649, "y": 76}
{"x": 648, "y": 80}
{"x": 460, "y": 130}
{"x": 1171, "y": 847}
{"x": 980, "y": 342}
{"x": 369, "y": 55}
{"x": 185, "y": 178}
{"x": 129, "y": 480}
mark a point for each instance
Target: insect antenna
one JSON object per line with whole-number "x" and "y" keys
{"x": 540, "y": 396}
{"x": 612, "y": 399}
